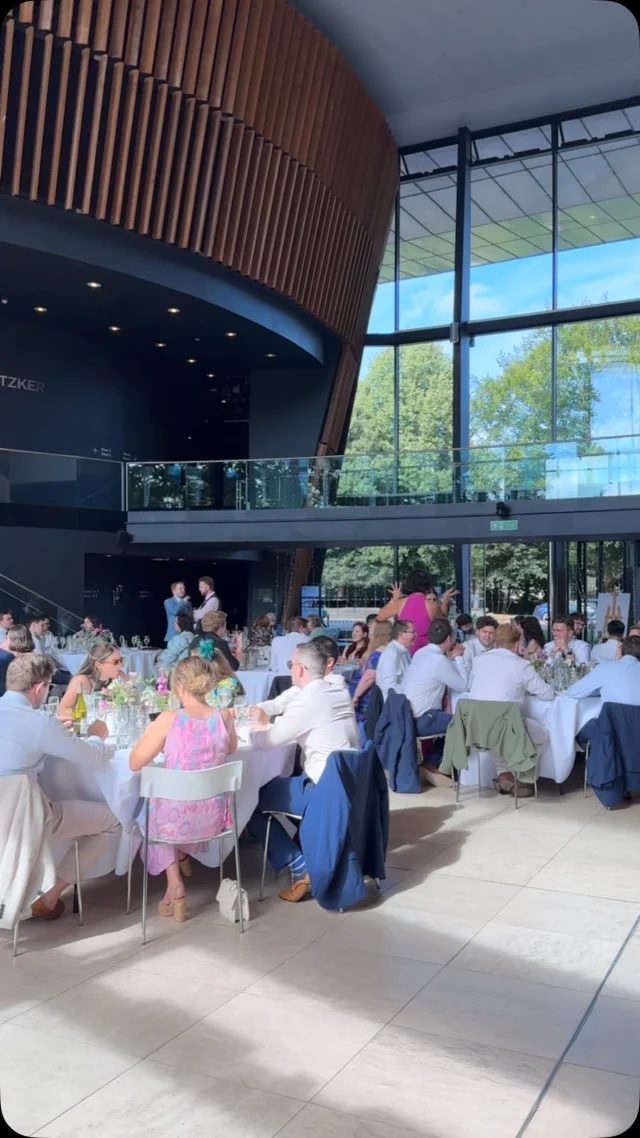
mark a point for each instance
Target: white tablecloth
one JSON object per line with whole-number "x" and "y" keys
{"x": 115, "y": 784}
{"x": 563, "y": 717}
{"x": 256, "y": 683}
{"x": 139, "y": 660}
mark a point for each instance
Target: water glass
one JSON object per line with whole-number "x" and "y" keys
{"x": 241, "y": 705}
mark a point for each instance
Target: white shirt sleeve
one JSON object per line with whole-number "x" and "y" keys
{"x": 286, "y": 729}
{"x": 455, "y": 675}
{"x": 535, "y": 685}
{"x": 581, "y": 651}
{"x": 279, "y": 705}
{"x": 57, "y": 740}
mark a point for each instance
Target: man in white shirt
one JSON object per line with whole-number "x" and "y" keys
{"x": 396, "y": 657}
{"x": 268, "y": 709}
{"x": 617, "y": 681}
{"x": 47, "y": 639}
{"x": 564, "y": 642}
{"x": 283, "y": 647}
{"x": 36, "y": 624}
{"x": 322, "y": 721}
{"x": 26, "y": 738}
{"x": 609, "y": 649}
{"x": 434, "y": 669}
{"x": 210, "y": 600}
{"x": 6, "y": 622}
{"x": 483, "y": 640}
{"x": 503, "y": 676}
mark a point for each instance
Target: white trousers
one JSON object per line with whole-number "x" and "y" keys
{"x": 538, "y": 734}
{"x": 92, "y": 823}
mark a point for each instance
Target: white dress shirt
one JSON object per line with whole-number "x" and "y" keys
{"x": 618, "y": 681}
{"x": 473, "y": 648}
{"x": 392, "y": 667}
{"x": 580, "y": 650}
{"x": 282, "y": 649}
{"x": 605, "y": 652}
{"x": 27, "y": 737}
{"x": 279, "y": 705}
{"x": 503, "y": 677}
{"x": 430, "y": 673}
{"x": 210, "y": 604}
{"x": 321, "y": 720}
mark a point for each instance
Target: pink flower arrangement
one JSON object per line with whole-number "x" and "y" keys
{"x": 162, "y": 686}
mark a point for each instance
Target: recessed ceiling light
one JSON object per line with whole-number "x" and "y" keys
{"x": 271, "y": 355}
{"x": 197, "y": 339}
{"x": 39, "y": 308}
{"x": 189, "y": 437}
{"x": 113, "y": 328}
{"x": 231, "y": 334}
{"x": 192, "y": 361}
{"x": 3, "y": 301}
{"x": 161, "y": 345}
{"x": 173, "y": 311}
{"x": 211, "y": 375}
{"x": 93, "y": 284}
{"x": 223, "y": 401}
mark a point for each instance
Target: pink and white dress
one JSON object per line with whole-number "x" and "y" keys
{"x": 192, "y": 745}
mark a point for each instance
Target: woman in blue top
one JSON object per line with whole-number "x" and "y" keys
{"x": 178, "y": 647}
{"x": 364, "y": 677}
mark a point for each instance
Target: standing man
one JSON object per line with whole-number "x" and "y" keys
{"x": 210, "y": 601}
{"x": 177, "y": 602}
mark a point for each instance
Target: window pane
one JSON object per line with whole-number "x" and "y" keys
{"x": 355, "y": 582}
{"x": 426, "y": 421}
{"x": 599, "y": 222}
{"x": 599, "y": 379}
{"x": 427, "y": 251}
{"x": 382, "y": 314}
{"x": 371, "y": 426}
{"x": 511, "y": 235}
{"x": 436, "y": 559}
{"x": 511, "y": 388}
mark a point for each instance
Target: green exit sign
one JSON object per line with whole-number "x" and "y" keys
{"x": 500, "y": 527}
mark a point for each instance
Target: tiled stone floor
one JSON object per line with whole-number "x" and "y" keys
{"x": 492, "y": 990}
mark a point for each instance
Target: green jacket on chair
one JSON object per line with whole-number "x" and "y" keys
{"x": 489, "y": 726}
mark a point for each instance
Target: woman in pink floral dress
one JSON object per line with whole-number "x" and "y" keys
{"x": 194, "y": 738}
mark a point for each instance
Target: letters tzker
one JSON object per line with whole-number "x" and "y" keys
{"x": 21, "y": 384}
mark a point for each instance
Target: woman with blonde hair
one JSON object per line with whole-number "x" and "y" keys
{"x": 364, "y": 677}
{"x": 103, "y": 664}
{"x": 226, "y": 686}
{"x": 194, "y": 738}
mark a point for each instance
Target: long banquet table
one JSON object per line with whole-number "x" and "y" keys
{"x": 114, "y": 783}
{"x": 563, "y": 717}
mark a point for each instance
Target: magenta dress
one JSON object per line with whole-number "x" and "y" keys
{"x": 192, "y": 745}
{"x": 415, "y": 609}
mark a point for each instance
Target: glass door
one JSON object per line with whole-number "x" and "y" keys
{"x": 509, "y": 579}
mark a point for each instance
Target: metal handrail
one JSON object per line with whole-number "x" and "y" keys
{"x": 35, "y": 593}
{"x": 51, "y": 454}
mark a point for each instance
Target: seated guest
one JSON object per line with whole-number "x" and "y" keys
{"x": 635, "y": 631}
{"x": 434, "y": 668}
{"x": 354, "y": 651}
{"x": 564, "y": 642}
{"x": 194, "y": 738}
{"x": 103, "y": 664}
{"x": 19, "y": 641}
{"x": 315, "y": 627}
{"x": 90, "y": 624}
{"x": 261, "y": 633}
{"x": 227, "y": 687}
{"x": 26, "y": 738}
{"x": 464, "y": 627}
{"x": 533, "y": 638}
{"x": 609, "y": 649}
{"x": 179, "y": 646}
{"x": 214, "y": 628}
{"x": 579, "y": 624}
{"x": 36, "y": 623}
{"x": 267, "y": 709}
{"x": 617, "y": 681}
{"x": 503, "y": 676}
{"x": 283, "y": 647}
{"x": 483, "y": 640}
{"x": 47, "y": 639}
{"x": 364, "y": 677}
{"x": 6, "y": 622}
{"x": 321, "y": 721}
{"x": 395, "y": 658}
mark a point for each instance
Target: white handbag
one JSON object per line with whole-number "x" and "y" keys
{"x": 227, "y": 898}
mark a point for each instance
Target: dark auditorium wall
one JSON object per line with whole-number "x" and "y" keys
{"x": 287, "y": 410}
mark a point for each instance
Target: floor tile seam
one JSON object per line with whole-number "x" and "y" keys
{"x": 522, "y": 980}
{"x": 40, "y": 1129}
{"x": 158, "y": 1063}
{"x": 327, "y": 1005}
{"x": 592, "y": 896}
{"x": 549, "y": 1081}
{"x": 81, "y": 1043}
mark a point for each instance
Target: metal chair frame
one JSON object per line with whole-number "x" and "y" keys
{"x": 77, "y": 894}
{"x": 271, "y": 814}
{"x": 515, "y": 785}
{"x": 186, "y": 786}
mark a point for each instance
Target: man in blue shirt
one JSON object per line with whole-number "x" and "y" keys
{"x": 177, "y": 602}
{"x": 617, "y": 681}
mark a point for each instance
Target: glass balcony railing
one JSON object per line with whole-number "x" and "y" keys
{"x": 31, "y": 480}
{"x": 596, "y": 468}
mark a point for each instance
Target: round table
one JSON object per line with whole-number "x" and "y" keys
{"x": 138, "y": 660}
{"x": 563, "y": 717}
{"x": 256, "y": 683}
{"x": 114, "y": 783}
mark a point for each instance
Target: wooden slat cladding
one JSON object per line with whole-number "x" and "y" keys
{"x": 229, "y": 127}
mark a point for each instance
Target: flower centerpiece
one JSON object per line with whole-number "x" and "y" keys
{"x": 155, "y": 694}
{"x": 122, "y": 692}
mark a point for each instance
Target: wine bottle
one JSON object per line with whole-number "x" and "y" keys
{"x": 79, "y": 712}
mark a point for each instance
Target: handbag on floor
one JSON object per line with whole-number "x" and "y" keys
{"x": 227, "y": 898}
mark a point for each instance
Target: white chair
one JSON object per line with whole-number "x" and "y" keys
{"x": 77, "y": 895}
{"x": 186, "y": 786}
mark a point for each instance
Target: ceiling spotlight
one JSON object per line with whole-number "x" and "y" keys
{"x": 189, "y": 437}
{"x": 39, "y": 308}
{"x": 231, "y": 334}
{"x": 173, "y": 311}
{"x": 197, "y": 339}
{"x": 93, "y": 284}
{"x": 192, "y": 361}
{"x": 223, "y": 401}
{"x": 161, "y": 345}
{"x": 4, "y": 301}
{"x": 211, "y": 375}
{"x": 113, "y": 328}
{"x": 271, "y": 355}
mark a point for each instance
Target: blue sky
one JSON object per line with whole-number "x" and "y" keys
{"x": 585, "y": 276}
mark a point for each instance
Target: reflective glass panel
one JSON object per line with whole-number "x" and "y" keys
{"x": 427, "y": 250}
{"x": 599, "y": 379}
{"x": 510, "y": 388}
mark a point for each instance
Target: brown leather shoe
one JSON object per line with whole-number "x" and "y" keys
{"x": 504, "y": 783}
{"x": 39, "y": 909}
{"x": 297, "y": 890}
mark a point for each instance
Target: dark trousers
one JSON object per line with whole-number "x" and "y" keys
{"x": 585, "y": 734}
{"x": 431, "y": 723}
{"x": 291, "y": 795}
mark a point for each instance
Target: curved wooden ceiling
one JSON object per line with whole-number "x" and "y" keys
{"x": 230, "y": 128}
